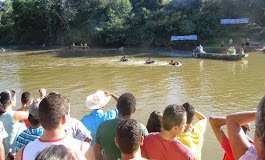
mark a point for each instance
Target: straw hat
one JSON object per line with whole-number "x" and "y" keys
{"x": 97, "y": 100}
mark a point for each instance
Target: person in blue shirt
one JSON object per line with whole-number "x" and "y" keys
{"x": 96, "y": 102}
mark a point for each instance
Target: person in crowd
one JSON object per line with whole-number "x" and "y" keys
{"x": 32, "y": 132}
{"x": 199, "y": 49}
{"x": 10, "y": 119}
{"x": 222, "y": 44}
{"x": 3, "y": 135}
{"x": 96, "y": 102}
{"x": 230, "y": 42}
{"x": 193, "y": 134}
{"x": 247, "y": 42}
{"x": 74, "y": 128}
{"x": 216, "y": 123}
{"x": 42, "y": 92}
{"x": 165, "y": 145}
{"x": 53, "y": 115}
{"x": 129, "y": 139}
{"x": 241, "y": 147}
{"x": 154, "y": 123}
{"x": 26, "y": 101}
{"x": 106, "y": 132}
{"x": 74, "y": 44}
{"x": 243, "y": 42}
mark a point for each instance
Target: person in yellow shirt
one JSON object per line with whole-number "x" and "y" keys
{"x": 192, "y": 136}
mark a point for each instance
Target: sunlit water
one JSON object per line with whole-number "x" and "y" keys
{"x": 215, "y": 88}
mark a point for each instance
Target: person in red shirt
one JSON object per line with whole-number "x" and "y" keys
{"x": 26, "y": 101}
{"x": 216, "y": 123}
{"x": 164, "y": 145}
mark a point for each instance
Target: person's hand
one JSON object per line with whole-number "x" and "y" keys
{"x": 42, "y": 92}
{"x": 10, "y": 156}
{"x": 107, "y": 93}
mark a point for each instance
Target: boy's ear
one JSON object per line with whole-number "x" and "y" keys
{"x": 116, "y": 142}
{"x": 141, "y": 141}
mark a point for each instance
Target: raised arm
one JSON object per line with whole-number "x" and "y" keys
{"x": 20, "y": 115}
{"x": 238, "y": 140}
{"x": 216, "y": 123}
{"x": 199, "y": 115}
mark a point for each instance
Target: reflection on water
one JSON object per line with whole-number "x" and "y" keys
{"x": 215, "y": 88}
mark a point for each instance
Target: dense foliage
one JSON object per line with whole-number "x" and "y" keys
{"x": 123, "y": 22}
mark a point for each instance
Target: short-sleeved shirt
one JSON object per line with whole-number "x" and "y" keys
{"x": 250, "y": 154}
{"x": 194, "y": 139}
{"x": 3, "y": 133}
{"x": 13, "y": 129}
{"x": 74, "y": 128}
{"x": 31, "y": 150}
{"x": 95, "y": 118}
{"x": 156, "y": 147}
{"x": 105, "y": 136}
{"x": 227, "y": 148}
{"x": 27, "y": 136}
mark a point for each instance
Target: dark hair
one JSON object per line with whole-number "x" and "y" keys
{"x": 126, "y": 104}
{"x": 5, "y": 98}
{"x": 190, "y": 112}
{"x": 128, "y": 134}
{"x": 154, "y": 123}
{"x": 173, "y": 115}
{"x": 260, "y": 120}
{"x": 26, "y": 97}
{"x": 54, "y": 152}
{"x": 51, "y": 110}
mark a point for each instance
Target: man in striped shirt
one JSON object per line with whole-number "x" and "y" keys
{"x": 32, "y": 132}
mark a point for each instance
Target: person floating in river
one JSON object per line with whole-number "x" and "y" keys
{"x": 149, "y": 60}
{"x": 123, "y": 59}
{"x": 172, "y": 62}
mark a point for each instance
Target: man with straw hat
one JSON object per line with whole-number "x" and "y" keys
{"x": 96, "y": 102}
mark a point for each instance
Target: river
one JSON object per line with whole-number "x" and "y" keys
{"x": 215, "y": 88}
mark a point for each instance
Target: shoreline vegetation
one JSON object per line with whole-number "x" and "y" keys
{"x": 130, "y": 23}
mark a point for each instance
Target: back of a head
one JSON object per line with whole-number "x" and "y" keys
{"x": 128, "y": 134}
{"x": 154, "y": 123}
{"x": 52, "y": 109}
{"x": 5, "y": 98}
{"x": 126, "y": 104}
{"x": 173, "y": 115}
{"x": 190, "y": 112}
{"x": 260, "y": 120}
{"x": 26, "y": 97}
{"x": 34, "y": 114}
{"x": 54, "y": 152}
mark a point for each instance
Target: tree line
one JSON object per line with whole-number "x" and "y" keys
{"x": 122, "y": 22}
